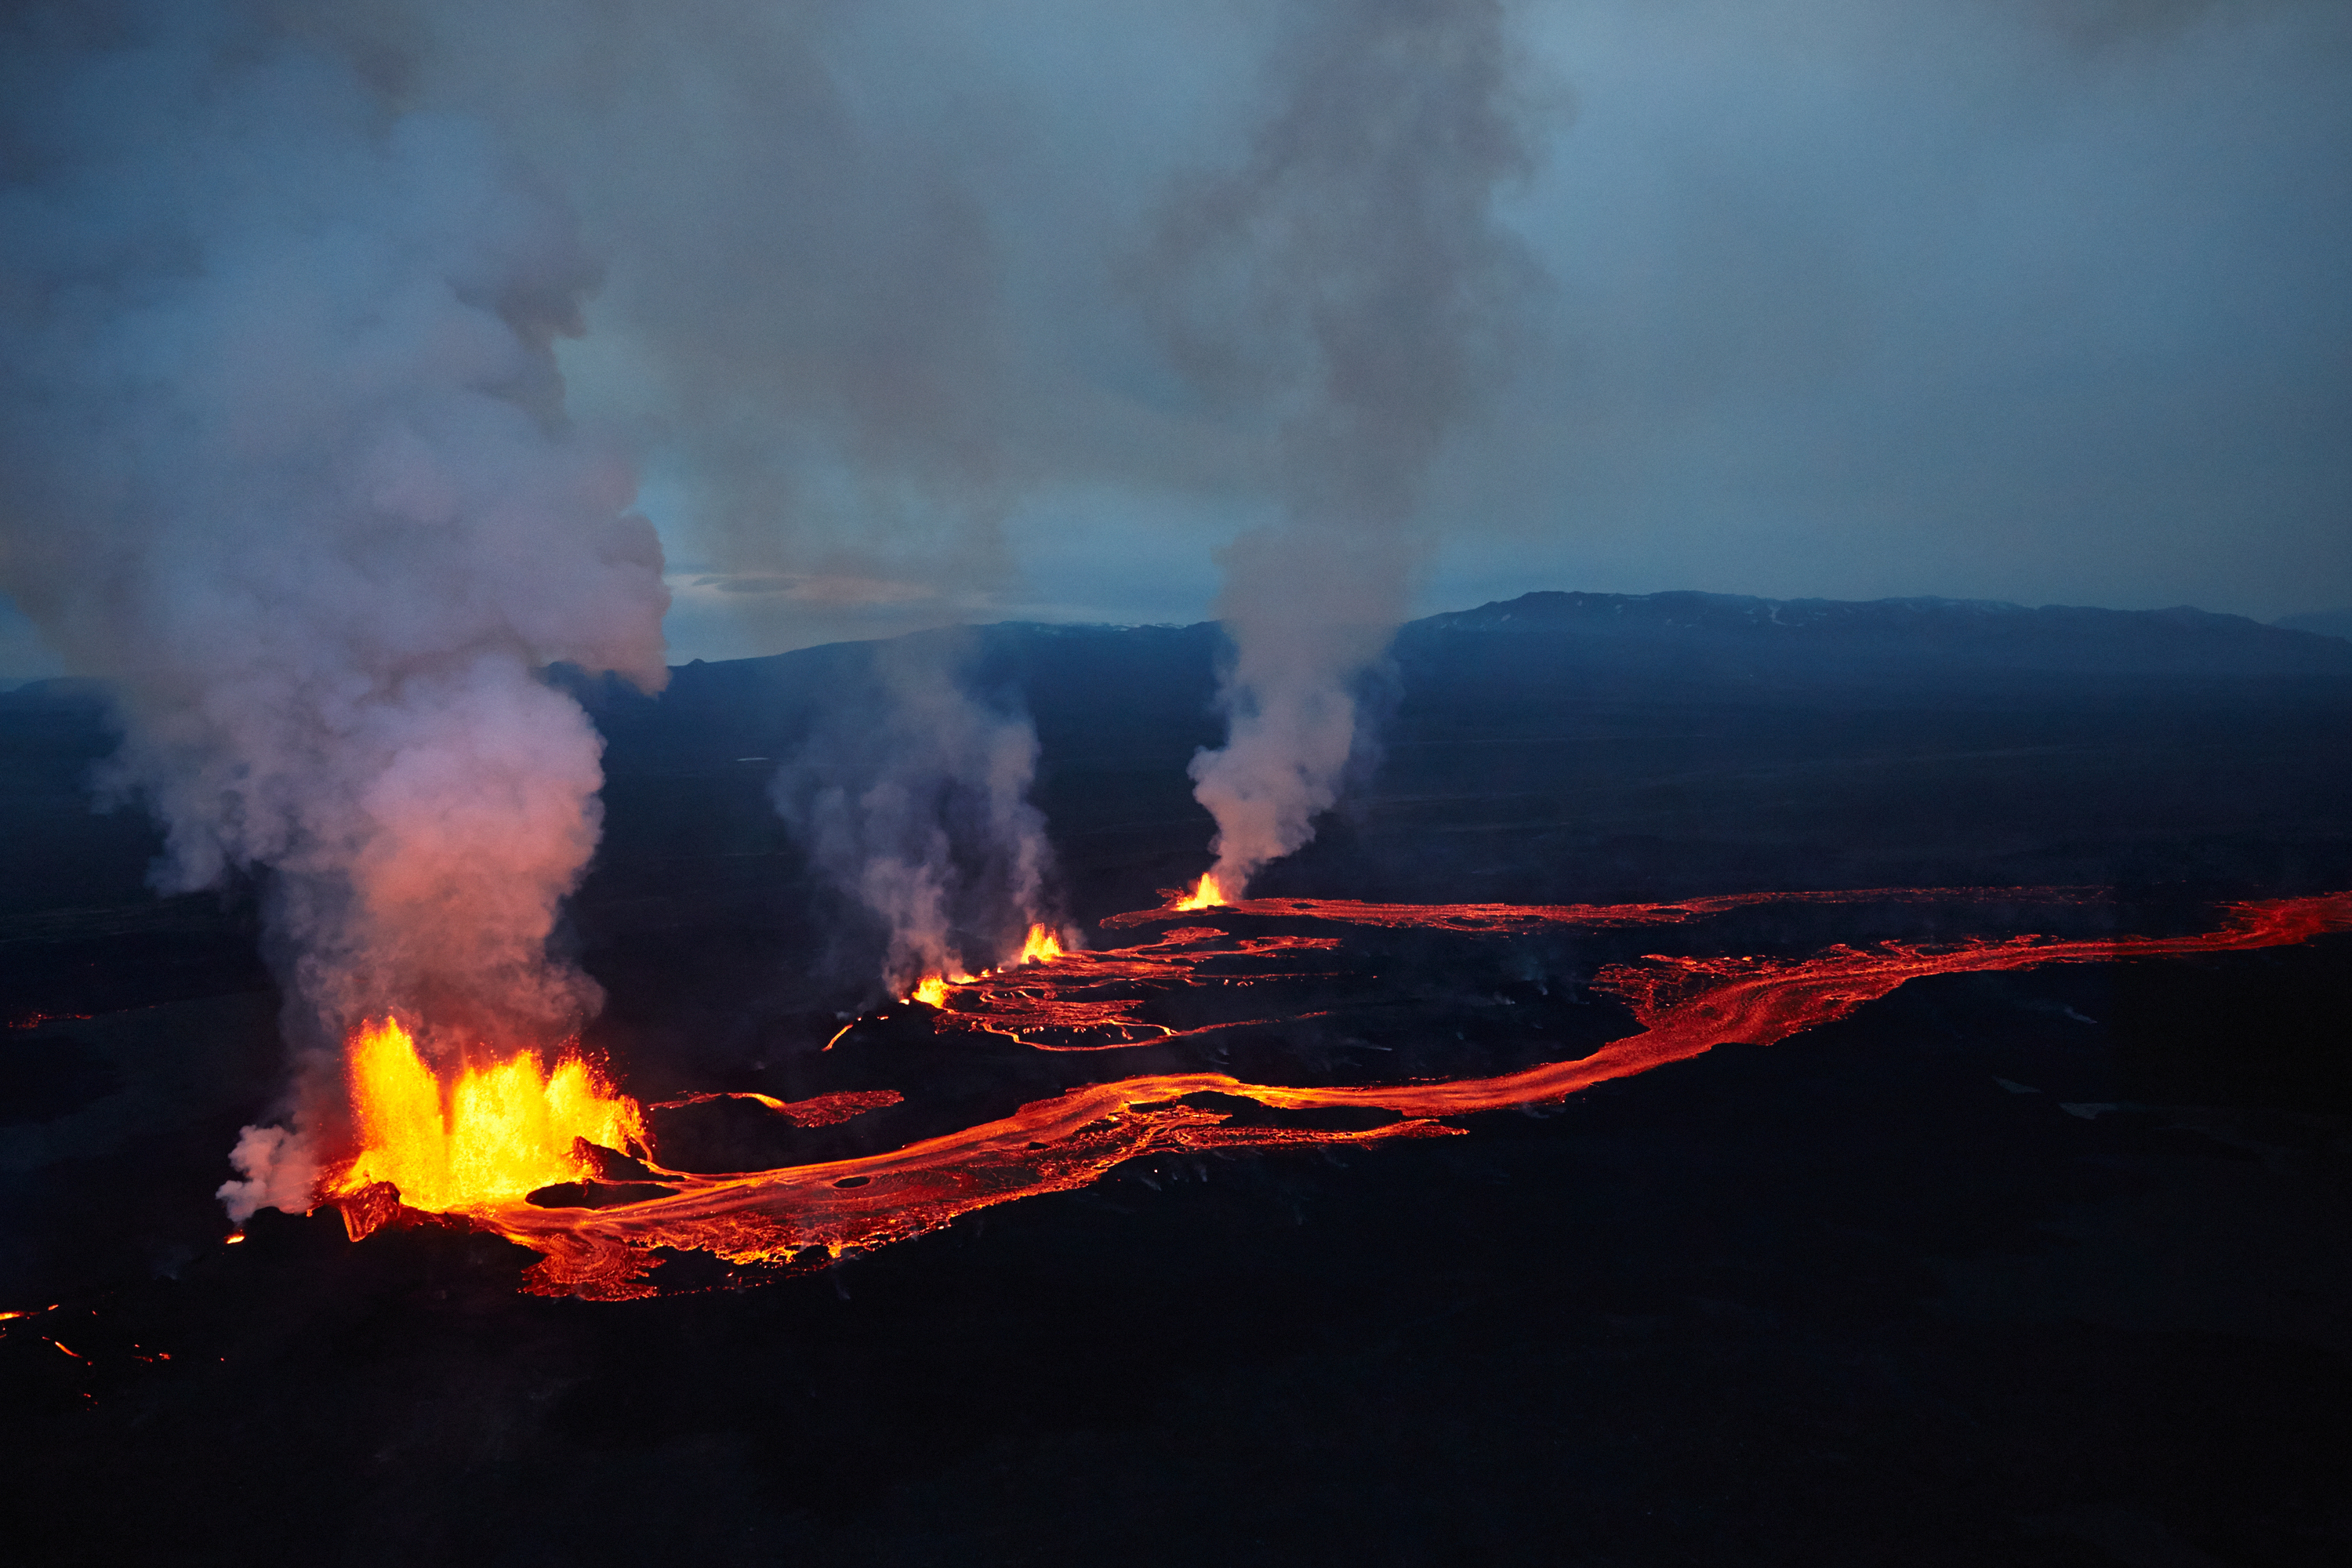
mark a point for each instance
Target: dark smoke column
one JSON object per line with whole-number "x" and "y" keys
{"x": 1347, "y": 286}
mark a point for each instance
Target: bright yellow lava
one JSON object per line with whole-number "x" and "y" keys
{"x": 499, "y": 1134}
{"x": 1040, "y": 947}
{"x": 931, "y": 991}
{"x": 1207, "y": 896}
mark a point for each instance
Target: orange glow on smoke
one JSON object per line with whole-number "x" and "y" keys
{"x": 803, "y": 1216}
{"x": 1207, "y": 896}
{"x": 497, "y": 1133}
{"x": 1040, "y": 947}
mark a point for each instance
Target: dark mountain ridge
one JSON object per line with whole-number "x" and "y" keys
{"x": 1881, "y": 637}
{"x": 1692, "y": 634}
{"x": 1137, "y": 680}
{"x": 2325, "y": 622}
{"x": 1562, "y": 746}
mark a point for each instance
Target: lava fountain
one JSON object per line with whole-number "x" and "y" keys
{"x": 1207, "y": 895}
{"x": 494, "y": 1135}
{"x": 1040, "y": 946}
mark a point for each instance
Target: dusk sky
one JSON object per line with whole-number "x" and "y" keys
{"x": 2043, "y": 301}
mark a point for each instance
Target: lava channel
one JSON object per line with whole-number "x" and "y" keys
{"x": 806, "y": 1215}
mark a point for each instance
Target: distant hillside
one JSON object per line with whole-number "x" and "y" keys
{"x": 1092, "y": 686}
{"x": 2327, "y": 623}
{"x": 1879, "y": 641}
{"x": 1089, "y": 687}
{"x": 1553, "y": 748}
{"x": 1096, "y": 686}
{"x": 1093, "y": 680}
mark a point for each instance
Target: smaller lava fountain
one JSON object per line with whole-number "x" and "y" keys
{"x": 931, "y": 990}
{"x": 1208, "y": 895}
{"x": 1042, "y": 945}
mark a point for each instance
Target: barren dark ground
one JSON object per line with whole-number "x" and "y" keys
{"x": 2047, "y": 1268}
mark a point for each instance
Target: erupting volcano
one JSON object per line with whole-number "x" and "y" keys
{"x": 561, "y": 1163}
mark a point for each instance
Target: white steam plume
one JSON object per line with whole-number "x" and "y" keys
{"x": 1347, "y": 284}
{"x": 914, "y": 799}
{"x": 808, "y": 303}
{"x": 283, "y": 456}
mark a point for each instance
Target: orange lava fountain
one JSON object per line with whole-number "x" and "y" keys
{"x": 805, "y": 1215}
{"x": 1207, "y": 896}
{"x": 1041, "y": 946}
{"x": 931, "y": 990}
{"x": 499, "y": 1134}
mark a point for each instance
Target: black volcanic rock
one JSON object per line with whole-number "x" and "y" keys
{"x": 595, "y": 1194}
{"x": 609, "y": 1164}
{"x": 45, "y": 1077}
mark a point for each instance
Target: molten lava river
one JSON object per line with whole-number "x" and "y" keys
{"x": 552, "y": 1156}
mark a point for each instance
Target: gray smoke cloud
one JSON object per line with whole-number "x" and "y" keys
{"x": 801, "y": 301}
{"x": 283, "y": 456}
{"x": 913, "y": 796}
{"x": 804, "y": 302}
{"x": 1346, "y": 284}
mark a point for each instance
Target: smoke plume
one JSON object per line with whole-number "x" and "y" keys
{"x": 801, "y": 300}
{"x": 285, "y": 459}
{"x": 1346, "y": 283}
{"x": 807, "y": 302}
{"x": 913, "y": 798}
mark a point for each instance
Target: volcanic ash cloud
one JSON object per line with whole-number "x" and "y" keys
{"x": 1347, "y": 287}
{"x": 285, "y": 460}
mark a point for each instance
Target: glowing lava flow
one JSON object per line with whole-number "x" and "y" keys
{"x": 809, "y": 1214}
{"x": 499, "y": 1133}
{"x": 1095, "y": 1001}
{"x": 1504, "y": 919}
